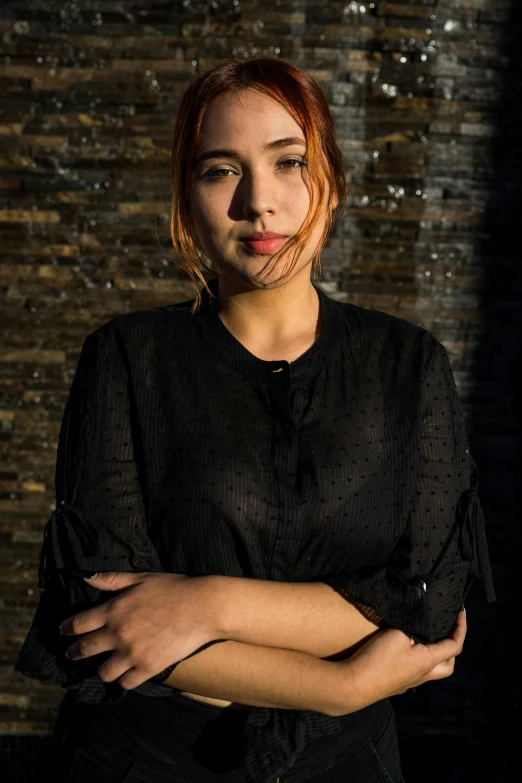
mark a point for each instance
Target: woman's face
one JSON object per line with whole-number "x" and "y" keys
{"x": 246, "y": 183}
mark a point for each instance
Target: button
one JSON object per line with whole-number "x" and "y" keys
{"x": 278, "y": 366}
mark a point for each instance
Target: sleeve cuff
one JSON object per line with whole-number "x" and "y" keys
{"x": 424, "y": 607}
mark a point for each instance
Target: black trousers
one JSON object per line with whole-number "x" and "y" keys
{"x": 152, "y": 740}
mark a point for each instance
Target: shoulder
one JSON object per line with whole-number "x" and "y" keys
{"x": 380, "y": 331}
{"x": 151, "y": 327}
{"x": 406, "y": 354}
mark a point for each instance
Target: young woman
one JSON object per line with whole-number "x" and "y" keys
{"x": 273, "y": 489}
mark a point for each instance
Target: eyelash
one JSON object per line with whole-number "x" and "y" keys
{"x": 209, "y": 175}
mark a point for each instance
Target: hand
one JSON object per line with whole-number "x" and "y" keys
{"x": 155, "y": 619}
{"x": 391, "y": 663}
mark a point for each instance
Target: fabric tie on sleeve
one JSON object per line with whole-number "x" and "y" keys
{"x": 473, "y": 535}
{"x": 273, "y": 739}
{"x": 67, "y": 537}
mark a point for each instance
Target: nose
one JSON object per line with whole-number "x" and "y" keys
{"x": 258, "y": 193}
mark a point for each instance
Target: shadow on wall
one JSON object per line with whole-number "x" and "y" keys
{"x": 465, "y": 725}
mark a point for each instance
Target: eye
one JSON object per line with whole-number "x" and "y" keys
{"x": 295, "y": 160}
{"x": 214, "y": 173}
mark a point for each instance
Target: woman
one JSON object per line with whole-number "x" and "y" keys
{"x": 274, "y": 489}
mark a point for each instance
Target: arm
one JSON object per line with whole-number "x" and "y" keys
{"x": 308, "y": 617}
{"x": 100, "y": 517}
{"x": 423, "y": 584}
{"x": 261, "y": 677}
{"x": 389, "y": 664}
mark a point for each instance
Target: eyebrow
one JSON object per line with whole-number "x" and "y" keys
{"x": 272, "y": 145}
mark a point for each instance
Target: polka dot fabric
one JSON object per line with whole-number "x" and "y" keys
{"x": 181, "y": 451}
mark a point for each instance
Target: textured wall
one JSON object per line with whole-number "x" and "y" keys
{"x": 426, "y": 101}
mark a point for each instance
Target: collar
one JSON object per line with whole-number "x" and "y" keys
{"x": 230, "y": 350}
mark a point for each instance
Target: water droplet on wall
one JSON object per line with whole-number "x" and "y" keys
{"x": 390, "y": 90}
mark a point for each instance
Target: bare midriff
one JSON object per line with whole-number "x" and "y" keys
{"x": 215, "y": 702}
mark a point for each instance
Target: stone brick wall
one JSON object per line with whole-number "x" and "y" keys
{"x": 426, "y": 99}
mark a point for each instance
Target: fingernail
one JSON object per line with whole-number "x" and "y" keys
{"x": 60, "y": 629}
{"x": 464, "y": 610}
{"x": 85, "y": 573}
{"x": 67, "y": 655}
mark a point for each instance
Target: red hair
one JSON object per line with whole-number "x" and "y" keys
{"x": 304, "y": 99}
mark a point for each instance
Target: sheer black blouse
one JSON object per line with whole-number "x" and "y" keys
{"x": 181, "y": 451}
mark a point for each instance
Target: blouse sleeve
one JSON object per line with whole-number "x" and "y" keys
{"x": 442, "y": 549}
{"x": 100, "y": 521}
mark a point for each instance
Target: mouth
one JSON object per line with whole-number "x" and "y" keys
{"x": 264, "y": 246}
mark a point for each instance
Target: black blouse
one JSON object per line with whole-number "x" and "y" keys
{"x": 181, "y": 451}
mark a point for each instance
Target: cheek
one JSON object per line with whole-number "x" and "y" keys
{"x": 206, "y": 216}
{"x": 298, "y": 197}
{"x": 215, "y": 207}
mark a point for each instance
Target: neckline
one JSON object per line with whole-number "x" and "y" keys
{"x": 234, "y": 353}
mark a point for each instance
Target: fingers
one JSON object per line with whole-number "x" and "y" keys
{"x": 114, "y": 580}
{"x": 460, "y": 628}
{"x": 439, "y": 672}
{"x": 92, "y": 619}
{"x": 84, "y": 622}
{"x": 92, "y": 644}
{"x": 131, "y": 679}
{"x": 442, "y": 670}
{"x": 451, "y": 646}
{"x": 115, "y": 667}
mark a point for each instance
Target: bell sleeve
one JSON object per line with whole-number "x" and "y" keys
{"x": 442, "y": 549}
{"x": 100, "y": 520}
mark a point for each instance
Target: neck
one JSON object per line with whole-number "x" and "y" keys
{"x": 271, "y": 320}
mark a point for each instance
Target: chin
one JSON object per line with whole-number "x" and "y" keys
{"x": 245, "y": 277}
{"x": 263, "y": 283}
{"x": 244, "y": 274}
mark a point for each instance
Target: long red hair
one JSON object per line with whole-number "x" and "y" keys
{"x": 302, "y": 96}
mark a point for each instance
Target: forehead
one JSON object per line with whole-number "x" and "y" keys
{"x": 246, "y": 116}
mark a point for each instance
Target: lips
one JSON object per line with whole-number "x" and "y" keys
{"x": 264, "y": 242}
{"x": 260, "y": 236}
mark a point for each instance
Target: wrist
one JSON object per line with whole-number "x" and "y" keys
{"x": 219, "y": 614}
{"x": 352, "y": 692}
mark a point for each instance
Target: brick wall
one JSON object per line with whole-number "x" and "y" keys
{"x": 426, "y": 100}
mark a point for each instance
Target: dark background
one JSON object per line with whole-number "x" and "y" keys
{"x": 426, "y": 98}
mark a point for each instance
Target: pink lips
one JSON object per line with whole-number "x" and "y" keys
{"x": 264, "y": 243}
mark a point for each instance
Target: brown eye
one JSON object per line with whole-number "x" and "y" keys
{"x": 214, "y": 173}
{"x": 210, "y": 174}
{"x": 294, "y": 160}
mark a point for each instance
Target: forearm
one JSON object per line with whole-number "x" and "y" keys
{"x": 309, "y": 617}
{"x": 263, "y": 677}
